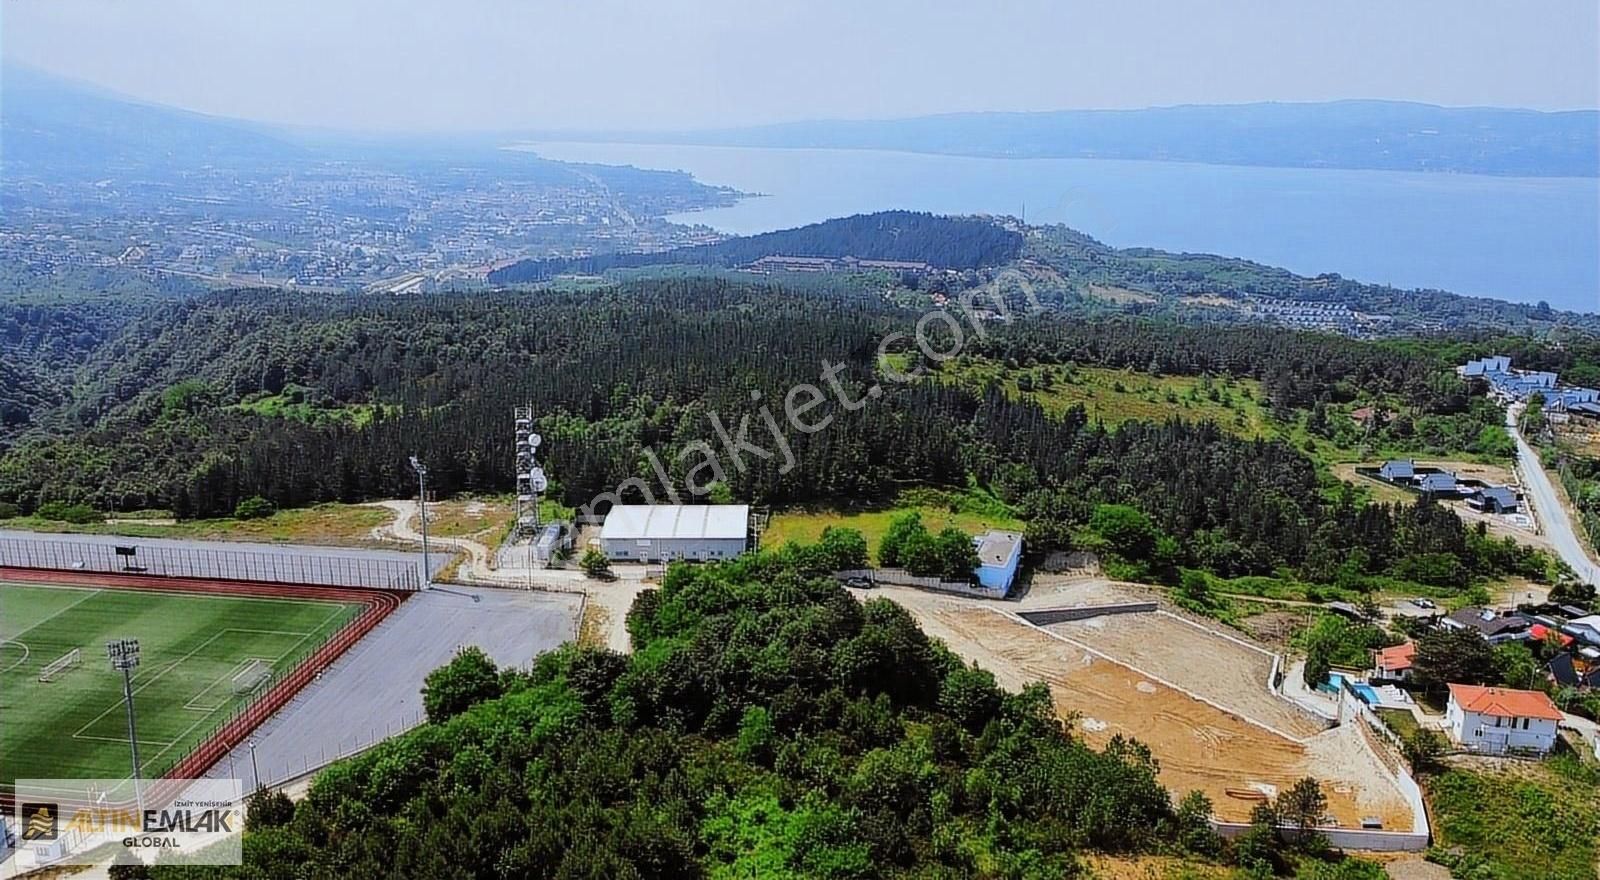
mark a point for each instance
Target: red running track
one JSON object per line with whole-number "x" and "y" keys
{"x": 379, "y": 604}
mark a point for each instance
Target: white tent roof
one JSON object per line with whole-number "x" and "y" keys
{"x": 659, "y": 521}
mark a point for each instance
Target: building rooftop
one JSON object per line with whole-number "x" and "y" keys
{"x": 659, "y": 521}
{"x": 1397, "y": 657}
{"x": 1502, "y": 495}
{"x": 1488, "y": 621}
{"x": 997, "y": 548}
{"x": 1505, "y": 702}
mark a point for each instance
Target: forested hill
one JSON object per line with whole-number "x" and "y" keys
{"x": 943, "y": 242}
{"x": 199, "y": 405}
{"x": 1151, "y": 281}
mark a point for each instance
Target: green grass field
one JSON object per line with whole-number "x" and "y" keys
{"x": 191, "y": 647}
{"x": 971, "y": 514}
{"x": 1117, "y": 396}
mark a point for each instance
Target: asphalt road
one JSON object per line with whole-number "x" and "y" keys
{"x": 1552, "y": 515}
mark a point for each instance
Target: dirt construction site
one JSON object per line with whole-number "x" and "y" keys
{"x": 1199, "y": 698}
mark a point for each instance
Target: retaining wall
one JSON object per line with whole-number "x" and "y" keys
{"x": 1347, "y": 838}
{"x": 906, "y": 579}
{"x": 1047, "y": 616}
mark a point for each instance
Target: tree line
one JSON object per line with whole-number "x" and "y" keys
{"x": 912, "y": 236}
{"x": 631, "y": 382}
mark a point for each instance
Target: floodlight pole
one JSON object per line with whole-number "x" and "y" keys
{"x": 422, "y": 502}
{"x": 255, "y": 771}
{"x": 124, "y": 655}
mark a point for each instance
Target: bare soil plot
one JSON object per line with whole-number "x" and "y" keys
{"x": 1225, "y": 671}
{"x": 1199, "y": 746}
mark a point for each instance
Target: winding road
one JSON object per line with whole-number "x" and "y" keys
{"x": 1557, "y": 522}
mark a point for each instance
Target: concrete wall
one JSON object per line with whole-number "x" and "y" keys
{"x": 1047, "y": 616}
{"x": 1377, "y": 737}
{"x": 905, "y": 578}
{"x": 1386, "y": 746}
{"x": 1347, "y": 838}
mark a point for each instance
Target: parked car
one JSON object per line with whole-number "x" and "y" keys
{"x": 858, "y": 583}
{"x": 1423, "y": 603}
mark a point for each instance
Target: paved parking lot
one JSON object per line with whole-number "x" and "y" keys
{"x": 374, "y": 691}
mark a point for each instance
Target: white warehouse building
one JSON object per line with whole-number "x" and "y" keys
{"x": 667, "y": 532}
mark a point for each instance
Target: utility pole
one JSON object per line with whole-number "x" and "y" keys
{"x": 255, "y": 771}
{"x": 124, "y": 655}
{"x": 422, "y": 502}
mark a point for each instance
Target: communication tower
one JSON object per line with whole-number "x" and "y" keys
{"x": 531, "y": 481}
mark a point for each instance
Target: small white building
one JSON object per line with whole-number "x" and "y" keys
{"x": 1394, "y": 663}
{"x": 1495, "y": 720}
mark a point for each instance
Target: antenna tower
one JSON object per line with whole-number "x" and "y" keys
{"x": 531, "y": 481}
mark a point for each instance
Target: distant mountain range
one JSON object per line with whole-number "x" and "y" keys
{"x": 74, "y": 129}
{"x": 1374, "y": 135}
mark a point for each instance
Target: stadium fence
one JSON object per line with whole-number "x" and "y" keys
{"x": 302, "y": 566}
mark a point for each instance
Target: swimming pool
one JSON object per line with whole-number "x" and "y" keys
{"x": 1336, "y": 682}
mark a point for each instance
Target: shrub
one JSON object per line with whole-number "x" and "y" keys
{"x": 594, "y": 563}
{"x": 61, "y": 511}
{"x": 254, "y": 507}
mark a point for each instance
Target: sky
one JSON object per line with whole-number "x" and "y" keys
{"x": 407, "y": 65}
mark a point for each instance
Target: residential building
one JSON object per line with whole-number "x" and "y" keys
{"x": 1494, "y": 626}
{"x": 1394, "y": 663}
{"x": 669, "y": 532}
{"x": 1398, "y": 471}
{"x": 1494, "y": 499}
{"x": 1493, "y": 364}
{"x": 1586, "y": 629}
{"x": 1435, "y": 483}
{"x": 1499, "y": 720}
{"x": 1539, "y": 632}
{"x": 999, "y": 554}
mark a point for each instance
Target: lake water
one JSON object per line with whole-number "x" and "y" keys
{"x": 1520, "y": 239}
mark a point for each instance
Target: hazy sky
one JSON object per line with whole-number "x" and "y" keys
{"x": 500, "y": 64}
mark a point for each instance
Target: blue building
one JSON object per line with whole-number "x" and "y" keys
{"x": 999, "y": 554}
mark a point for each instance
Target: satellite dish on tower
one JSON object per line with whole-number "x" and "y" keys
{"x": 534, "y": 440}
{"x": 537, "y": 481}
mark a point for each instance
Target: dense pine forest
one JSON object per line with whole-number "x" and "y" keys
{"x": 199, "y": 404}
{"x": 767, "y": 724}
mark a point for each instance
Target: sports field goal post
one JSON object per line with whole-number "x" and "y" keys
{"x": 61, "y": 665}
{"x": 251, "y": 676}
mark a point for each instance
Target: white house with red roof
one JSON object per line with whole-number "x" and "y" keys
{"x": 1496, "y": 720}
{"x": 1394, "y": 663}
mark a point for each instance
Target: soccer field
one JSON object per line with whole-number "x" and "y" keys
{"x": 193, "y": 649}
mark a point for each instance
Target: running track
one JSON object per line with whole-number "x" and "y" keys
{"x": 378, "y": 605}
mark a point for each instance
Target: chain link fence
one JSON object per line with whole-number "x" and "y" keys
{"x": 130, "y": 556}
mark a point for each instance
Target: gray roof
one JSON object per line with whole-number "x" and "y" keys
{"x": 996, "y": 548}
{"x": 1562, "y": 669}
{"x": 658, "y": 521}
{"x": 1501, "y": 495}
{"x": 1489, "y": 622}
